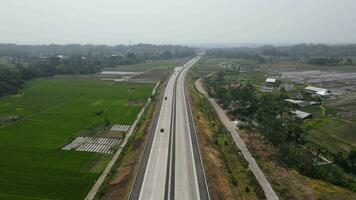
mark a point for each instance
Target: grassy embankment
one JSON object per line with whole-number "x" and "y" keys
{"x": 227, "y": 172}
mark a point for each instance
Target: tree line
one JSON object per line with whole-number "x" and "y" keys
{"x": 26, "y": 62}
{"x": 141, "y": 50}
{"x": 317, "y": 54}
{"x": 300, "y": 50}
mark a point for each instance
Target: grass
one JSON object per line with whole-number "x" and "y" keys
{"x": 148, "y": 65}
{"x": 241, "y": 179}
{"x": 255, "y": 78}
{"x": 299, "y": 66}
{"x": 205, "y": 66}
{"x": 335, "y": 134}
{"x": 121, "y": 177}
{"x": 315, "y": 110}
{"x": 53, "y": 111}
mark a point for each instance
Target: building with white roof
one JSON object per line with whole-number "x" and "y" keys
{"x": 271, "y": 80}
{"x": 301, "y": 114}
{"x": 318, "y": 91}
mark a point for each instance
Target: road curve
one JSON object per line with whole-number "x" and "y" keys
{"x": 171, "y": 166}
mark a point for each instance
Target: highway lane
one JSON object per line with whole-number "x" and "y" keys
{"x": 171, "y": 167}
{"x": 154, "y": 181}
{"x": 190, "y": 181}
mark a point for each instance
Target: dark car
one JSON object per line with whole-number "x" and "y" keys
{"x": 165, "y": 98}
{"x": 162, "y": 130}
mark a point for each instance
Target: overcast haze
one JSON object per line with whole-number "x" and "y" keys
{"x": 177, "y": 22}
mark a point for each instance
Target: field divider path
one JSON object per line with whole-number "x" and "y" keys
{"x": 65, "y": 101}
{"x": 258, "y": 173}
{"x": 95, "y": 188}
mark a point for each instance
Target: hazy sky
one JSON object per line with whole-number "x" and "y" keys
{"x": 177, "y": 21}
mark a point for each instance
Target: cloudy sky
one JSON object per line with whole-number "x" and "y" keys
{"x": 177, "y": 21}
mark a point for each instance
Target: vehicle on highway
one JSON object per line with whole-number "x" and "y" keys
{"x": 162, "y": 130}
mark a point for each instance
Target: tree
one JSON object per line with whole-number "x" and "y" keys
{"x": 130, "y": 55}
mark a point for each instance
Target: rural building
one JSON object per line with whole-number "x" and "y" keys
{"x": 296, "y": 102}
{"x": 62, "y": 56}
{"x": 301, "y": 115}
{"x": 319, "y": 91}
{"x": 266, "y": 88}
{"x": 301, "y": 103}
{"x": 271, "y": 81}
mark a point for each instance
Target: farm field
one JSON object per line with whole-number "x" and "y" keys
{"x": 51, "y": 112}
{"x": 147, "y": 65}
{"x": 150, "y": 70}
{"x": 207, "y": 65}
{"x": 335, "y": 134}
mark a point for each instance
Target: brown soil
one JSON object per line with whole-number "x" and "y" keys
{"x": 155, "y": 74}
{"x": 219, "y": 182}
{"x": 288, "y": 183}
{"x": 120, "y": 184}
{"x": 219, "y": 185}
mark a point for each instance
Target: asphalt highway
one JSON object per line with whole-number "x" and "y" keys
{"x": 171, "y": 166}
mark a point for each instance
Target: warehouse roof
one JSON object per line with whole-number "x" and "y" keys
{"x": 270, "y": 80}
{"x": 316, "y": 89}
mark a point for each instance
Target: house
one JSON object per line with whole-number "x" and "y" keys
{"x": 296, "y": 102}
{"x": 324, "y": 93}
{"x": 301, "y": 115}
{"x": 62, "y": 56}
{"x": 266, "y": 88}
{"x": 271, "y": 81}
{"x": 318, "y": 91}
{"x": 301, "y": 103}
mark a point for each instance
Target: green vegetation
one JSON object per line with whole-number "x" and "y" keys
{"x": 335, "y": 134}
{"x": 133, "y": 143}
{"x": 236, "y": 166}
{"x": 206, "y": 66}
{"x": 148, "y": 65}
{"x": 19, "y": 63}
{"x": 50, "y": 112}
{"x": 294, "y": 51}
{"x": 270, "y": 114}
{"x": 141, "y": 50}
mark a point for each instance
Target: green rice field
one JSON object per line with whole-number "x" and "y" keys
{"x": 51, "y": 112}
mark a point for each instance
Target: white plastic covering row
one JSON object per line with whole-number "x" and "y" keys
{"x": 76, "y": 143}
{"x": 89, "y": 144}
{"x": 119, "y": 127}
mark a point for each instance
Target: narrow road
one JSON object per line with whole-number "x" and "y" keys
{"x": 261, "y": 179}
{"x": 171, "y": 166}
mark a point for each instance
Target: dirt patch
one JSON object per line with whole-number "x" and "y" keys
{"x": 155, "y": 74}
{"x": 135, "y": 102}
{"x": 219, "y": 185}
{"x": 288, "y": 183}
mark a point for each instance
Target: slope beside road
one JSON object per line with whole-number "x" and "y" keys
{"x": 260, "y": 177}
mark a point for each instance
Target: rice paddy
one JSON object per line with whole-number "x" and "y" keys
{"x": 48, "y": 115}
